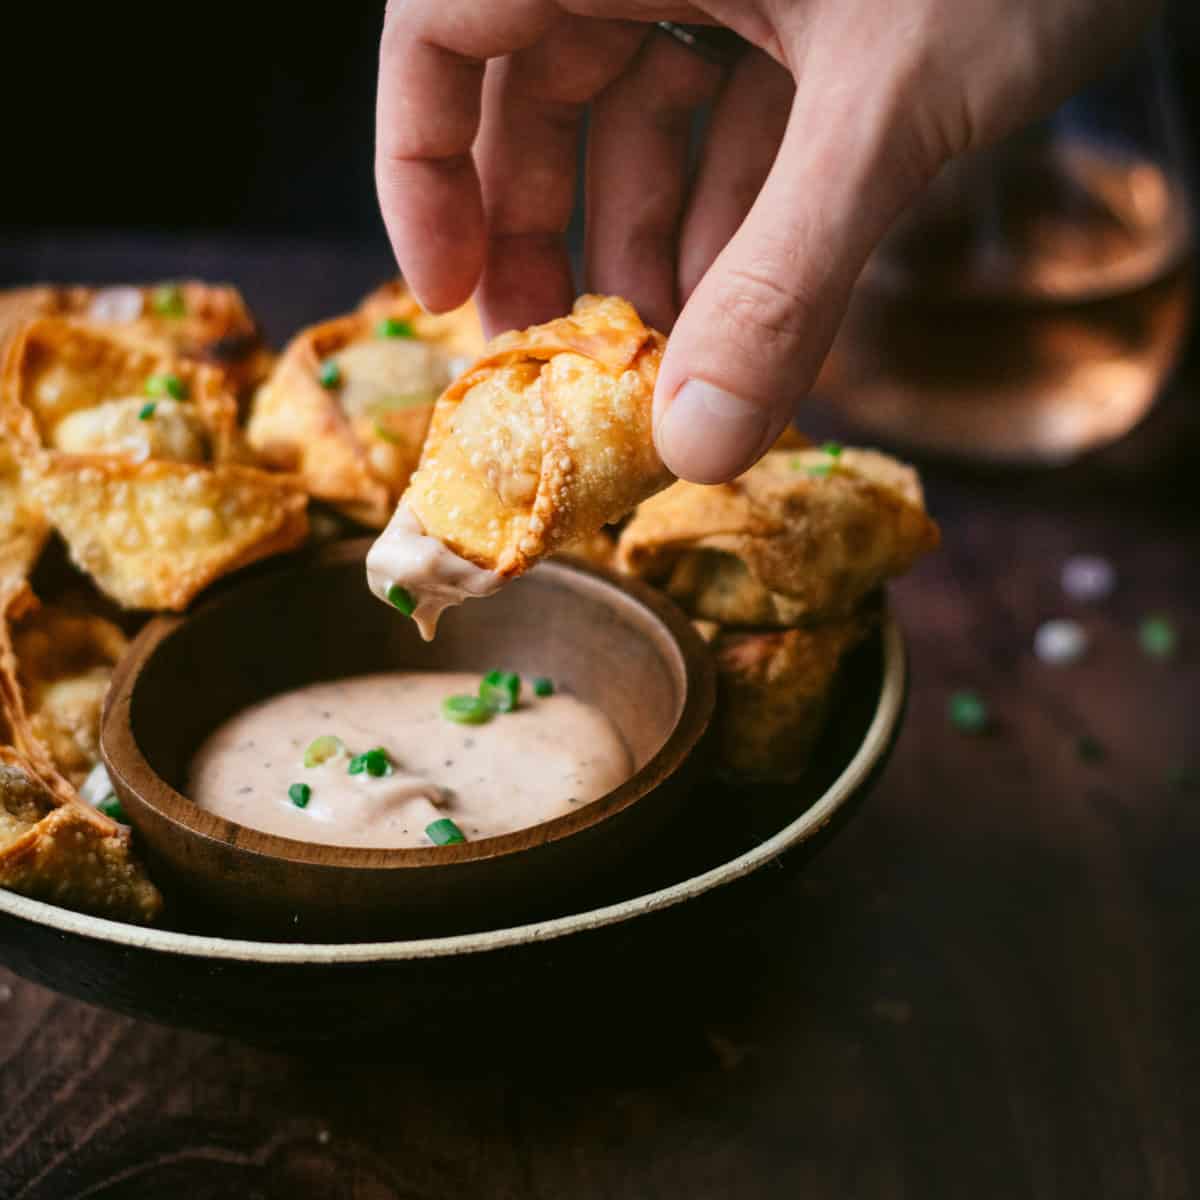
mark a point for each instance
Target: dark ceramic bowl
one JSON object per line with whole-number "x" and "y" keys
{"x": 610, "y": 641}
{"x": 656, "y": 934}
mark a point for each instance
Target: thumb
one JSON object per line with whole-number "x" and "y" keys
{"x": 752, "y": 336}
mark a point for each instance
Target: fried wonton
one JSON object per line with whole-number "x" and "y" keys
{"x": 598, "y": 549}
{"x": 18, "y": 305}
{"x": 154, "y": 534}
{"x": 23, "y": 528}
{"x": 133, "y": 456}
{"x": 53, "y": 845}
{"x": 775, "y": 690}
{"x": 349, "y": 401}
{"x": 801, "y": 537}
{"x": 64, "y": 661}
{"x": 72, "y": 387}
{"x": 544, "y": 440}
{"x": 67, "y": 853}
{"x": 206, "y": 322}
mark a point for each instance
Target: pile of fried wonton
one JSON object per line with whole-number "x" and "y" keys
{"x": 780, "y": 571}
{"x": 150, "y": 443}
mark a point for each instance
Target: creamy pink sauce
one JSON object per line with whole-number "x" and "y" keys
{"x": 428, "y": 570}
{"x": 547, "y": 758}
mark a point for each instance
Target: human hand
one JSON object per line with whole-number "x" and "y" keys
{"x": 835, "y": 118}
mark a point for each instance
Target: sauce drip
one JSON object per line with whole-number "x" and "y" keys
{"x": 436, "y": 578}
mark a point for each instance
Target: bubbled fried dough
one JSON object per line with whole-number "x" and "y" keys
{"x": 66, "y": 852}
{"x": 799, "y": 538}
{"x": 544, "y": 440}
{"x": 775, "y": 690}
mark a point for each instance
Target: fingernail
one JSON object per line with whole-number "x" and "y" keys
{"x": 709, "y": 435}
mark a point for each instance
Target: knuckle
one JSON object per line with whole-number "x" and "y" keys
{"x": 762, "y": 308}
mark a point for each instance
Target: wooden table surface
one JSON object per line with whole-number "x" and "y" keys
{"x": 986, "y": 986}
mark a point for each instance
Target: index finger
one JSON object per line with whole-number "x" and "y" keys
{"x": 431, "y": 62}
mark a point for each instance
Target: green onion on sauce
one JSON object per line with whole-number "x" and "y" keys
{"x": 444, "y": 832}
{"x": 500, "y": 690}
{"x": 300, "y": 794}
{"x": 147, "y": 410}
{"x": 466, "y": 710}
{"x": 322, "y": 749}
{"x": 543, "y": 686}
{"x": 373, "y": 762}
{"x": 401, "y": 598}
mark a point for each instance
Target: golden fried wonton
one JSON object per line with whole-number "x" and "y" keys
{"x": 18, "y": 305}
{"x": 544, "y": 439}
{"x": 206, "y": 322}
{"x": 349, "y": 402}
{"x": 774, "y": 691}
{"x": 154, "y": 534}
{"x": 64, "y": 663}
{"x": 598, "y": 550}
{"x": 58, "y": 371}
{"x": 800, "y": 537}
{"x": 67, "y": 853}
{"x": 23, "y": 529}
{"x": 132, "y": 455}
{"x": 53, "y": 846}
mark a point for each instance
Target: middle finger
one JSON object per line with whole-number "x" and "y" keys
{"x": 527, "y": 150}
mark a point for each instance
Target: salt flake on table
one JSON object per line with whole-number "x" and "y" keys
{"x": 1088, "y": 577}
{"x": 1060, "y": 642}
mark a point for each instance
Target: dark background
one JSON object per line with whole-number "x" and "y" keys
{"x": 242, "y": 117}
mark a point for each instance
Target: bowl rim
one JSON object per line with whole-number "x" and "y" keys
{"x": 870, "y": 752}
{"x": 125, "y": 761}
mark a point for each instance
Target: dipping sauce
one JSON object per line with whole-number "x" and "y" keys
{"x": 430, "y": 576}
{"x": 546, "y": 758}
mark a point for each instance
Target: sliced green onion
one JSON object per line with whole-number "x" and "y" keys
{"x": 168, "y": 300}
{"x": 330, "y": 374}
{"x": 395, "y": 327}
{"x": 466, "y": 710}
{"x": 110, "y": 806}
{"x": 373, "y": 762}
{"x": 832, "y": 452}
{"x": 500, "y": 690}
{"x": 147, "y": 410}
{"x": 401, "y": 598}
{"x": 166, "y": 385}
{"x": 542, "y": 686}
{"x": 444, "y": 832}
{"x": 1158, "y": 637}
{"x": 322, "y": 749}
{"x": 967, "y": 712}
{"x": 384, "y": 433}
{"x": 300, "y": 794}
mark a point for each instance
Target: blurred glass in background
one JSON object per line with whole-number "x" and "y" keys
{"x": 1031, "y": 305}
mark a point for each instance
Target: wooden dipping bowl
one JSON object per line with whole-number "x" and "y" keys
{"x": 610, "y": 641}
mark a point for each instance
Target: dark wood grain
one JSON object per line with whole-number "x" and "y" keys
{"x": 986, "y": 986}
